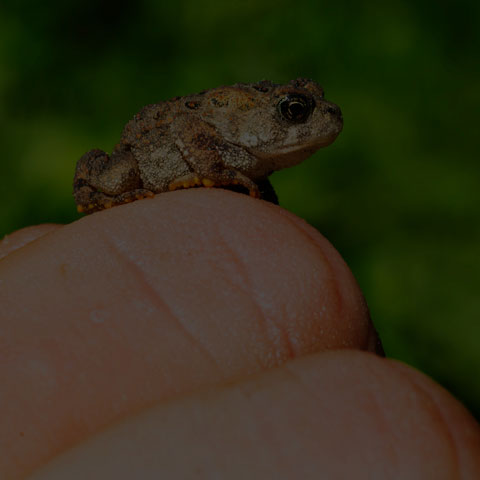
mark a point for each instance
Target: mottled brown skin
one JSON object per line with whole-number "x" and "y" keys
{"x": 233, "y": 136}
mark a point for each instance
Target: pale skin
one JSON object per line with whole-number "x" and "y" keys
{"x": 206, "y": 334}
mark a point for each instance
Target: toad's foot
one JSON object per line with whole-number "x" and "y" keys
{"x": 100, "y": 201}
{"x": 225, "y": 178}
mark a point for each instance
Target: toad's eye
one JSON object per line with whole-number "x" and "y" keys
{"x": 295, "y": 108}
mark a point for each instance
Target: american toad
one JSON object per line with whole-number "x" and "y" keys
{"x": 233, "y": 136}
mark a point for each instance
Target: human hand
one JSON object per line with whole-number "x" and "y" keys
{"x": 187, "y": 336}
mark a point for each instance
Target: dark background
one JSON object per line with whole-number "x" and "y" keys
{"x": 398, "y": 193}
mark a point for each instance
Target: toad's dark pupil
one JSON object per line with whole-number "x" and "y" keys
{"x": 295, "y": 108}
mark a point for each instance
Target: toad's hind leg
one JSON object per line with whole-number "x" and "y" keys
{"x": 100, "y": 201}
{"x": 103, "y": 181}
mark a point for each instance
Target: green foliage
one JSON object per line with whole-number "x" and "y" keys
{"x": 398, "y": 193}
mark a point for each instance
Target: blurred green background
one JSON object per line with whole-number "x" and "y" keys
{"x": 398, "y": 193}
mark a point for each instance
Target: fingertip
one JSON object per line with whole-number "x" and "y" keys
{"x": 450, "y": 421}
{"x": 300, "y": 291}
{"x": 390, "y": 420}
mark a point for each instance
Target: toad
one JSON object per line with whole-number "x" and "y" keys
{"x": 231, "y": 136}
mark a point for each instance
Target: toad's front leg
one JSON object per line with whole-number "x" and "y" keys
{"x": 222, "y": 178}
{"x": 102, "y": 181}
{"x": 212, "y": 161}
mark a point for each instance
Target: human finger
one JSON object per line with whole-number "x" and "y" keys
{"x": 130, "y": 306}
{"x": 343, "y": 414}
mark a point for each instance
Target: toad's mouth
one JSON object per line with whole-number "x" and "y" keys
{"x": 294, "y": 148}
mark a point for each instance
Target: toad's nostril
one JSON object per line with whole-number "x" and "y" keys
{"x": 333, "y": 110}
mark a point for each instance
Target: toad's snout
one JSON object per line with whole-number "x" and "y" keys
{"x": 332, "y": 119}
{"x": 331, "y": 109}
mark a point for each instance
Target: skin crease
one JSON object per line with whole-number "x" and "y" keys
{"x": 118, "y": 322}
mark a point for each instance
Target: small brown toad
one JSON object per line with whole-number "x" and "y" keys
{"x": 232, "y": 136}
